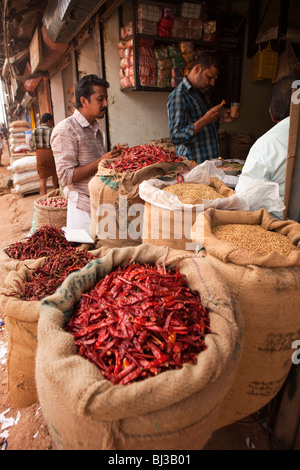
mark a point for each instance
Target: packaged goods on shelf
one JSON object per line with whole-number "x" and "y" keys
{"x": 209, "y": 31}
{"x": 147, "y": 27}
{"x": 161, "y": 53}
{"x": 126, "y": 30}
{"x": 149, "y": 12}
{"x": 190, "y": 10}
{"x": 186, "y": 47}
{"x": 164, "y": 28}
{"x": 187, "y": 28}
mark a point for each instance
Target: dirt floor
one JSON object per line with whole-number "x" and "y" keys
{"x": 25, "y": 429}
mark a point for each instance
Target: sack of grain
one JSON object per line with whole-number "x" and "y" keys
{"x": 266, "y": 286}
{"x": 17, "y": 124}
{"x": 174, "y": 409}
{"x": 55, "y": 214}
{"x": 115, "y": 201}
{"x": 171, "y": 207}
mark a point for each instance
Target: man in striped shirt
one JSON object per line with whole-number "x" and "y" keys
{"x": 193, "y": 120}
{"x": 78, "y": 148}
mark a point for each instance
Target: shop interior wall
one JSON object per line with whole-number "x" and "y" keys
{"x": 57, "y": 96}
{"x": 135, "y": 117}
{"x": 255, "y": 96}
{"x": 87, "y": 64}
{"x": 139, "y": 117}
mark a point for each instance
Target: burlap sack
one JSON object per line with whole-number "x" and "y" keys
{"x": 174, "y": 410}
{"x": 47, "y": 215}
{"x": 163, "y": 227}
{"x": 21, "y": 321}
{"x": 267, "y": 290}
{"x": 113, "y": 194}
{"x": 239, "y": 145}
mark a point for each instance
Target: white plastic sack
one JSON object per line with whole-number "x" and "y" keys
{"x": 26, "y": 187}
{"x": 255, "y": 196}
{"x": 25, "y": 177}
{"x": 23, "y": 164}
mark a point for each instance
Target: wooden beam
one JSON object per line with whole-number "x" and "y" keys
{"x": 292, "y": 175}
{"x": 110, "y": 9}
{"x": 29, "y": 76}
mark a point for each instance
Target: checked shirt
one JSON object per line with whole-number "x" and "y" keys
{"x": 185, "y": 106}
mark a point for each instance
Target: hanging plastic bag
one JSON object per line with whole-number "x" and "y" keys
{"x": 264, "y": 64}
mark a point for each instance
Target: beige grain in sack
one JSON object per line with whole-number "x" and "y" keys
{"x": 169, "y": 227}
{"x": 113, "y": 194}
{"x": 177, "y": 409}
{"x": 267, "y": 289}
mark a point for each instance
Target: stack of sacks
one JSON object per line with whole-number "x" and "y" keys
{"x": 25, "y": 175}
{"x": 17, "y": 139}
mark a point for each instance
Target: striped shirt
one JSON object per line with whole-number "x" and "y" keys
{"x": 75, "y": 142}
{"x": 185, "y": 106}
{"x": 40, "y": 137}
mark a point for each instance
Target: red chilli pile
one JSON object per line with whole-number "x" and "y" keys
{"x": 43, "y": 242}
{"x": 135, "y": 158}
{"x": 45, "y": 279}
{"x": 139, "y": 321}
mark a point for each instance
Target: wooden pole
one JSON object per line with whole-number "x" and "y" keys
{"x": 292, "y": 175}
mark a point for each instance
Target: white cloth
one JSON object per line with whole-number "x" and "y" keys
{"x": 266, "y": 160}
{"x": 77, "y": 218}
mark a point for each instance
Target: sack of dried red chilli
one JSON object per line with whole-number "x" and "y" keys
{"x": 114, "y": 192}
{"x": 51, "y": 209}
{"x": 20, "y": 299}
{"x": 258, "y": 257}
{"x": 112, "y": 345}
{"x": 42, "y": 243}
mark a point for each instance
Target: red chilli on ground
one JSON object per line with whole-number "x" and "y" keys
{"x": 139, "y": 321}
{"x": 135, "y": 158}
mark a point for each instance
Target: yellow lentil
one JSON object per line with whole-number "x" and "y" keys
{"x": 193, "y": 192}
{"x": 254, "y": 238}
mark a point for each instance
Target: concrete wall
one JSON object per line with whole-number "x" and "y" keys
{"x": 134, "y": 117}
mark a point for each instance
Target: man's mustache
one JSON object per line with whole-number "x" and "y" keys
{"x": 104, "y": 108}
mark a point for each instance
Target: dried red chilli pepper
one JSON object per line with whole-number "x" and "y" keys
{"x": 135, "y": 158}
{"x": 43, "y": 242}
{"x": 139, "y": 321}
{"x": 45, "y": 279}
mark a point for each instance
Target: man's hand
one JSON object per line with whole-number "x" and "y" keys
{"x": 225, "y": 118}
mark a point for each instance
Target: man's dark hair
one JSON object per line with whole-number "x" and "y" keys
{"x": 280, "y": 100}
{"x": 85, "y": 87}
{"x": 46, "y": 118}
{"x": 208, "y": 59}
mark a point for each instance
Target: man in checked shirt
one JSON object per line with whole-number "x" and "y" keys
{"x": 40, "y": 141}
{"x": 193, "y": 120}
